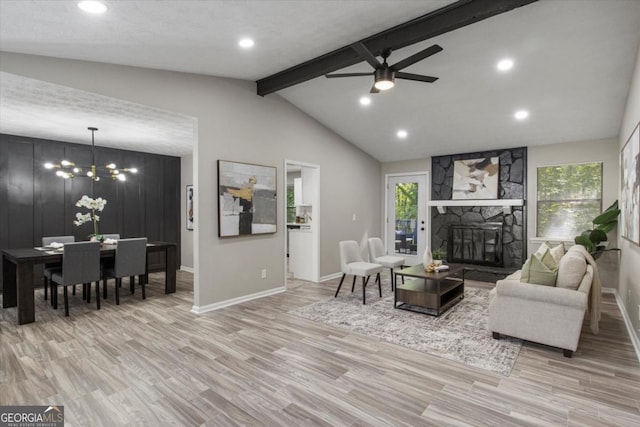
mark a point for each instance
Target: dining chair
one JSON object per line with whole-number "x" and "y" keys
{"x": 351, "y": 262}
{"x": 80, "y": 265}
{"x": 377, "y": 255}
{"x": 130, "y": 261}
{"x": 50, "y": 268}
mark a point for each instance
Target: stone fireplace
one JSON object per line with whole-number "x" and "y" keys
{"x": 482, "y": 232}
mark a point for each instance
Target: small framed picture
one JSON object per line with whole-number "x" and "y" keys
{"x": 190, "y": 207}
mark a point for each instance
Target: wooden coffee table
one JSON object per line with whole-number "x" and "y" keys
{"x": 434, "y": 292}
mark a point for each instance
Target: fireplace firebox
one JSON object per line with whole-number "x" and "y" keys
{"x": 475, "y": 243}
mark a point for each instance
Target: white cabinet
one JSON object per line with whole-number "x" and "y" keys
{"x": 297, "y": 191}
{"x": 304, "y": 188}
{"x": 308, "y": 186}
{"x": 301, "y": 254}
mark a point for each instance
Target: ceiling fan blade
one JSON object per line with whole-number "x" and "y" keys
{"x": 366, "y": 54}
{"x": 431, "y": 50}
{"x": 374, "y": 89}
{"x": 331, "y": 76}
{"x": 416, "y": 77}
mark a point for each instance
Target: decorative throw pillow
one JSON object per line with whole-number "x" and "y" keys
{"x": 556, "y": 251}
{"x": 571, "y": 270}
{"x": 540, "y": 269}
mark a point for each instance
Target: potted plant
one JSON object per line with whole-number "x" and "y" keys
{"x": 438, "y": 256}
{"x": 94, "y": 205}
{"x": 593, "y": 239}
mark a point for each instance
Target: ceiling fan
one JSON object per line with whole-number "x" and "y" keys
{"x": 385, "y": 74}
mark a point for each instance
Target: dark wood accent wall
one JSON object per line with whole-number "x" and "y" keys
{"x": 36, "y": 203}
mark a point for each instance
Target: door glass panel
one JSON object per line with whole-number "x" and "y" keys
{"x": 406, "y": 210}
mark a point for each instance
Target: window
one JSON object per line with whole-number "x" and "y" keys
{"x": 569, "y": 197}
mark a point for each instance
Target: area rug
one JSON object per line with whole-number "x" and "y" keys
{"x": 460, "y": 334}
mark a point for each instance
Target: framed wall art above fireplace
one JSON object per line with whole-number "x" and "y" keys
{"x": 476, "y": 178}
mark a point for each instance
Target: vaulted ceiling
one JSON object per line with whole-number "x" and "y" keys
{"x": 573, "y": 61}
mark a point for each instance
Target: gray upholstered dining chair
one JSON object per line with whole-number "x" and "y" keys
{"x": 130, "y": 261}
{"x": 50, "y": 268}
{"x": 351, "y": 262}
{"x": 80, "y": 265}
{"x": 377, "y": 255}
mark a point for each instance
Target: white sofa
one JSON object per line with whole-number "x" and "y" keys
{"x": 545, "y": 314}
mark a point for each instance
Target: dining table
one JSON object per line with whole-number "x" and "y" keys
{"x": 18, "y": 273}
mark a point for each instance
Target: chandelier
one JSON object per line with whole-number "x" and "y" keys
{"x": 67, "y": 169}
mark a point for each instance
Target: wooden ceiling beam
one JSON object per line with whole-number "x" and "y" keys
{"x": 441, "y": 21}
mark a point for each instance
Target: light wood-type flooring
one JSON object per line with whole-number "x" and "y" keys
{"x": 153, "y": 363}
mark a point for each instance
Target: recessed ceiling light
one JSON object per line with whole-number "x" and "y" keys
{"x": 91, "y": 6}
{"x": 365, "y": 100}
{"x": 402, "y": 134}
{"x": 521, "y": 114}
{"x": 246, "y": 43}
{"x": 505, "y": 64}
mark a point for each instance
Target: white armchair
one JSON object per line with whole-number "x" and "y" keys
{"x": 351, "y": 262}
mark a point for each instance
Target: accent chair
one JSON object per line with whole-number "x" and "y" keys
{"x": 351, "y": 262}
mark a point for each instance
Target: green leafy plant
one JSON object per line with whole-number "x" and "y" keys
{"x": 438, "y": 254}
{"x": 602, "y": 224}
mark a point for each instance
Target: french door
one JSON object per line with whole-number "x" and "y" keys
{"x": 406, "y": 225}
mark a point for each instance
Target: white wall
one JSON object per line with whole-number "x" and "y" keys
{"x": 236, "y": 124}
{"x": 629, "y": 287}
{"x": 186, "y": 241}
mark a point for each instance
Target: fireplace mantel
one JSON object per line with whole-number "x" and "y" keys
{"x": 494, "y": 202}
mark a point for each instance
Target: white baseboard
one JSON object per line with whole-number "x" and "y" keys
{"x": 187, "y": 269}
{"x": 330, "y": 277}
{"x": 222, "y": 304}
{"x": 627, "y": 320}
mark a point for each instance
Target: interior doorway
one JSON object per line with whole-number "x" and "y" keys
{"x": 302, "y": 219}
{"x": 406, "y": 213}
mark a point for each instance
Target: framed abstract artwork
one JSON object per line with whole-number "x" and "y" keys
{"x": 475, "y": 179}
{"x": 190, "y": 207}
{"x": 246, "y": 199}
{"x": 630, "y": 188}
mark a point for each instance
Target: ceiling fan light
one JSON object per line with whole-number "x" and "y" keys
{"x": 91, "y": 6}
{"x": 384, "y": 79}
{"x": 384, "y": 84}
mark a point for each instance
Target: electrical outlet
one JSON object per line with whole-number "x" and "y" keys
{"x": 263, "y": 274}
